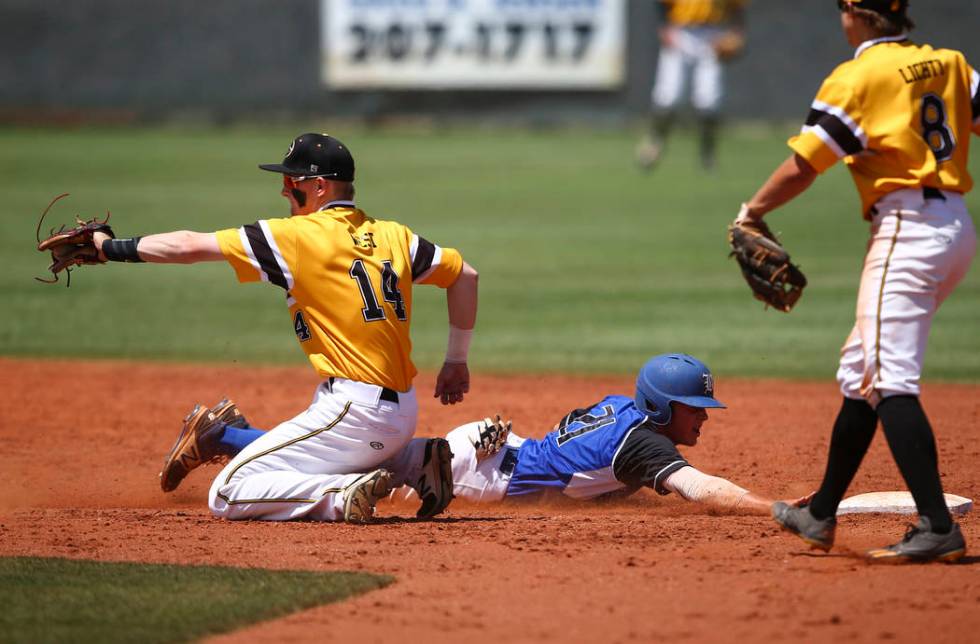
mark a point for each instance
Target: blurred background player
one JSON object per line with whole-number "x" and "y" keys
{"x": 900, "y": 116}
{"x": 696, "y": 38}
{"x": 348, "y": 282}
{"x": 613, "y": 447}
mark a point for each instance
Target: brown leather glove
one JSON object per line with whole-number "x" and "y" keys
{"x": 70, "y": 247}
{"x": 765, "y": 264}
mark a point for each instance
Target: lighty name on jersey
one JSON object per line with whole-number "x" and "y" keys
{"x": 922, "y": 70}
{"x": 363, "y": 241}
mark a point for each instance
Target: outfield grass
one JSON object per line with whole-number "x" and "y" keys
{"x": 62, "y": 600}
{"x": 586, "y": 264}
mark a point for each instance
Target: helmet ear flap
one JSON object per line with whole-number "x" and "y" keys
{"x": 656, "y": 407}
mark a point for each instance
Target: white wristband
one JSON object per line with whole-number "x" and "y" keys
{"x": 459, "y": 345}
{"x": 743, "y": 213}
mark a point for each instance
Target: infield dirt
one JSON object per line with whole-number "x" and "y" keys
{"x": 82, "y": 443}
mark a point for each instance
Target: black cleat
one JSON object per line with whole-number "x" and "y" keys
{"x": 435, "y": 486}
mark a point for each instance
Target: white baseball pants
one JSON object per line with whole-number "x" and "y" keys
{"x": 919, "y": 251}
{"x": 301, "y": 467}
{"x": 478, "y": 481}
{"x": 694, "y": 53}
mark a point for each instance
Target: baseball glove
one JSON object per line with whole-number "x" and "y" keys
{"x": 492, "y": 437}
{"x": 765, "y": 264}
{"x": 70, "y": 247}
{"x": 729, "y": 45}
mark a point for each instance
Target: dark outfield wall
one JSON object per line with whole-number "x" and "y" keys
{"x": 225, "y": 58}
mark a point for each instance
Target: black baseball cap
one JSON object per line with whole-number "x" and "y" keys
{"x": 316, "y": 155}
{"x": 878, "y": 6}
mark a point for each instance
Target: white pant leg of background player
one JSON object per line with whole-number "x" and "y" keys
{"x": 669, "y": 82}
{"x": 706, "y": 80}
{"x": 300, "y": 468}
{"x": 919, "y": 252}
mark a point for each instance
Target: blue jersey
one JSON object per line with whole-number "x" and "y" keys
{"x": 606, "y": 447}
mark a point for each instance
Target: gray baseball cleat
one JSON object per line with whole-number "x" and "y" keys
{"x": 361, "y": 495}
{"x": 492, "y": 437}
{"x": 920, "y": 543}
{"x": 819, "y": 533}
{"x": 435, "y": 485}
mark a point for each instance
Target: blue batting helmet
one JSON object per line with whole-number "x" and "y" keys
{"x": 673, "y": 377}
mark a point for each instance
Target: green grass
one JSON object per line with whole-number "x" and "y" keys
{"x": 62, "y": 600}
{"x": 586, "y": 264}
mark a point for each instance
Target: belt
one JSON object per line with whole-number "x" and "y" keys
{"x": 933, "y": 193}
{"x": 389, "y": 395}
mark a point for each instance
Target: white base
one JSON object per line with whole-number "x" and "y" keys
{"x": 896, "y": 503}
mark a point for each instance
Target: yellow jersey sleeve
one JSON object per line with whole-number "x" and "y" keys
{"x": 831, "y": 131}
{"x": 899, "y": 115}
{"x": 264, "y": 251}
{"x": 432, "y": 264}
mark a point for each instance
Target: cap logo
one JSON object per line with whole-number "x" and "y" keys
{"x": 314, "y": 167}
{"x": 292, "y": 144}
{"x": 709, "y": 384}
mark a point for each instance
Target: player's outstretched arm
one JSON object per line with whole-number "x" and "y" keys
{"x": 789, "y": 180}
{"x": 179, "y": 247}
{"x": 716, "y": 492}
{"x": 461, "y": 297}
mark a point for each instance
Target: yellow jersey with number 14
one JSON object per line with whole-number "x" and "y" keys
{"x": 899, "y": 115}
{"x": 348, "y": 281}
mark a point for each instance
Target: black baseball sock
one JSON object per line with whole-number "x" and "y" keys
{"x": 660, "y": 125}
{"x": 709, "y": 140}
{"x": 853, "y": 430}
{"x": 913, "y": 446}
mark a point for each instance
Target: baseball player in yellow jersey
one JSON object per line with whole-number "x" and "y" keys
{"x": 348, "y": 285}
{"x": 694, "y": 42}
{"x": 900, "y": 116}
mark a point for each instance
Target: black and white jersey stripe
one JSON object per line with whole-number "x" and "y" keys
{"x": 425, "y": 255}
{"x": 264, "y": 254}
{"x": 664, "y": 473}
{"x": 836, "y": 129}
{"x": 975, "y": 93}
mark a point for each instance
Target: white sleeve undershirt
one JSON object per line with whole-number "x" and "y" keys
{"x": 694, "y": 485}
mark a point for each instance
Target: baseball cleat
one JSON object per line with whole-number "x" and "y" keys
{"x": 184, "y": 456}
{"x": 648, "y": 154}
{"x": 921, "y": 544}
{"x": 196, "y": 444}
{"x": 492, "y": 437}
{"x": 361, "y": 496}
{"x": 819, "y": 533}
{"x": 435, "y": 486}
{"x": 227, "y": 413}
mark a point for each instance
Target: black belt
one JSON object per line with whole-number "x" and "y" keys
{"x": 933, "y": 193}
{"x": 389, "y": 395}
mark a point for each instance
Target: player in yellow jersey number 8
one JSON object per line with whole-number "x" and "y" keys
{"x": 899, "y": 114}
